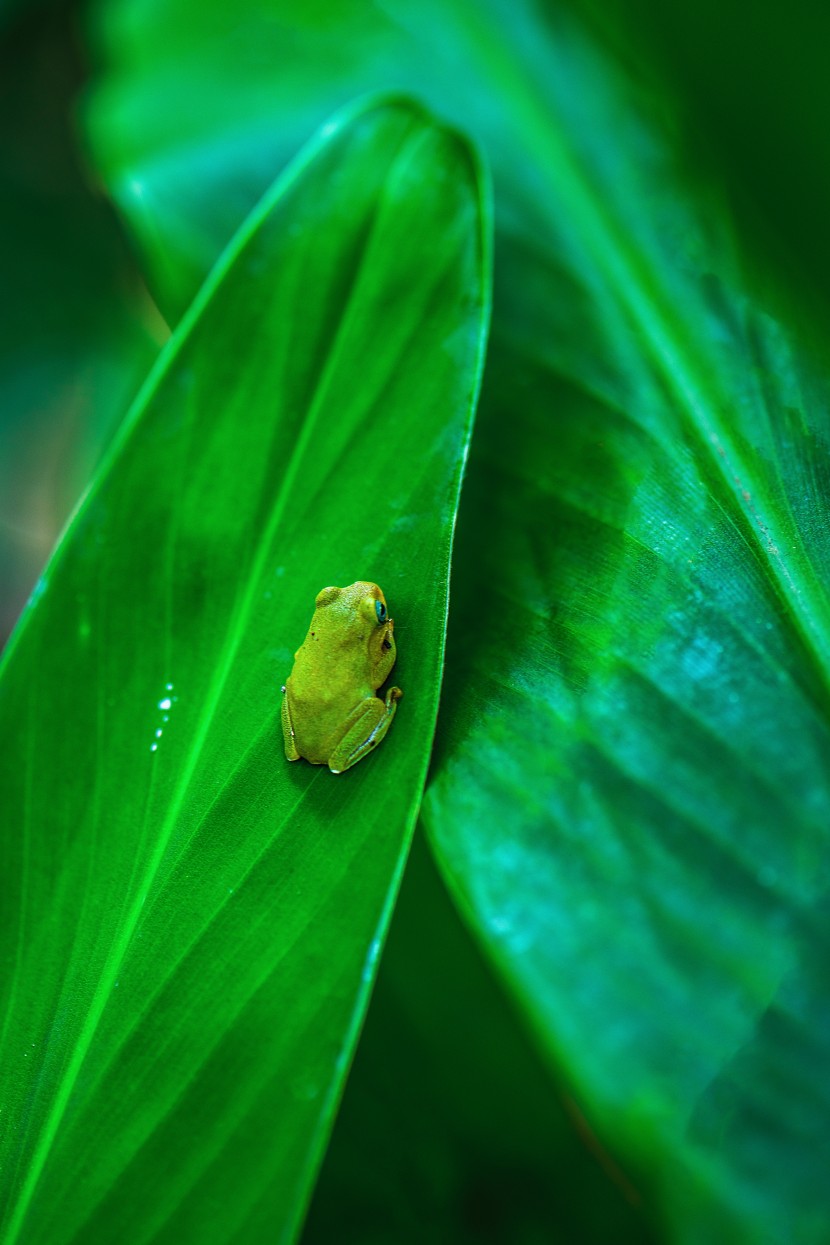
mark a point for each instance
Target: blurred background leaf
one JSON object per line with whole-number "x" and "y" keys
{"x": 76, "y": 335}
{"x": 191, "y": 925}
{"x": 196, "y": 92}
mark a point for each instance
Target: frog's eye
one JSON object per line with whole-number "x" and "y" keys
{"x": 380, "y": 610}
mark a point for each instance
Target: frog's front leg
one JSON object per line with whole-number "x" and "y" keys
{"x": 291, "y": 753}
{"x": 363, "y": 730}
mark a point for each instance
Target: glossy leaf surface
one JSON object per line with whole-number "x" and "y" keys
{"x": 632, "y": 800}
{"x": 190, "y": 923}
{"x": 630, "y": 792}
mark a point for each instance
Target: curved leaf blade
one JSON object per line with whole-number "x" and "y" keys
{"x": 632, "y": 802}
{"x": 192, "y": 922}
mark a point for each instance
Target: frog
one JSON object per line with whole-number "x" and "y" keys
{"x": 330, "y": 713}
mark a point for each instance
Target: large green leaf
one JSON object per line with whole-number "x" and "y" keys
{"x": 190, "y": 924}
{"x": 632, "y": 805}
{"x": 632, "y": 801}
{"x": 630, "y": 793}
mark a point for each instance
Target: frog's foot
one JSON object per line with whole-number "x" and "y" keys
{"x": 365, "y": 727}
{"x": 291, "y": 753}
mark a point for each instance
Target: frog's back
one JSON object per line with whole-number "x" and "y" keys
{"x": 322, "y": 691}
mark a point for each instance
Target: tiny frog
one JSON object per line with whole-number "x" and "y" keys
{"x": 330, "y": 714}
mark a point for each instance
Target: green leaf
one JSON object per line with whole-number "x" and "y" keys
{"x": 630, "y": 793}
{"x": 190, "y": 924}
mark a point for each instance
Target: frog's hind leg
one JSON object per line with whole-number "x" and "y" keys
{"x": 365, "y": 727}
{"x": 291, "y": 753}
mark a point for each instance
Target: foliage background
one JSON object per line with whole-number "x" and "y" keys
{"x": 453, "y": 1123}
{"x": 750, "y": 88}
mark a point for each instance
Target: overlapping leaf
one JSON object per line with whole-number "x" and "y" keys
{"x": 190, "y": 924}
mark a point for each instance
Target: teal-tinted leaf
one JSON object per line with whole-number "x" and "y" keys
{"x": 631, "y": 794}
{"x": 620, "y": 814}
{"x": 190, "y": 924}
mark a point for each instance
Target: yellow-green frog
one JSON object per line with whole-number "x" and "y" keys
{"x": 330, "y": 714}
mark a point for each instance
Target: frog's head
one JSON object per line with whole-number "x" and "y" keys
{"x": 363, "y": 616}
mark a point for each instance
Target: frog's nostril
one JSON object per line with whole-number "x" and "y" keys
{"x": 386, "y": 642}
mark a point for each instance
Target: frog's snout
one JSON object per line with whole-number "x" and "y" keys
{"x": 390, "y": 627}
